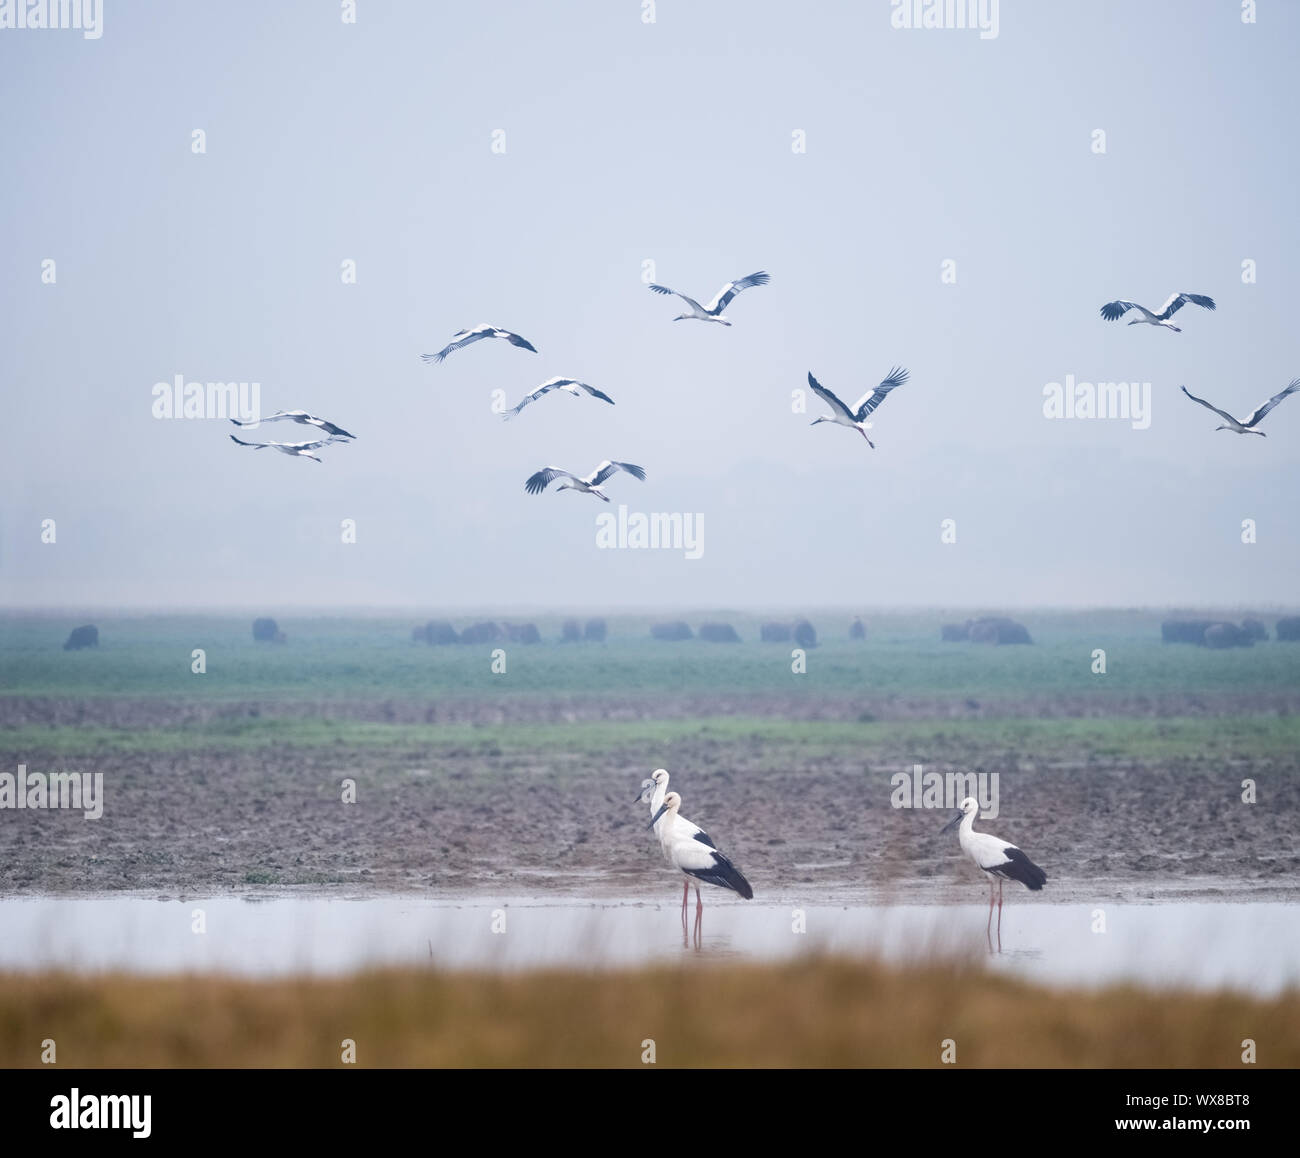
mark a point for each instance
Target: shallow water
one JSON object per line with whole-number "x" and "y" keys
{"x": 1254, "y": 947}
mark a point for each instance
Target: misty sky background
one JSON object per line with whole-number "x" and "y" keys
{"x": 627, "y": 142}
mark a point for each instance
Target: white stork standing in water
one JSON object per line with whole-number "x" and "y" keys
{"x": 297, "y": 449}
{"x": 713, "y": 311}
{"x": 587, "y": 485}
{"x": 856, "y": 418}
{"x": 568, "y": 385}
{"x": 1112, "y": 311}
{"x": 462, "y": 338}
{"x": 1001, "y": 859}
{"x": 689, "y": 848}
{"x": 300, "y": 416}
{"x": 1244, "y": 425}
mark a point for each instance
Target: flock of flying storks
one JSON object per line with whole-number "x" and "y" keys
{"x": 854, "y": 417}
{"x": 685, "y": 844}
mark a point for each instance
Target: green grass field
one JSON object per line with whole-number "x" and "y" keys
{"x": 373, "y": 659}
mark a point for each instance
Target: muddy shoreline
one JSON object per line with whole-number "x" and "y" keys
{"x": 272, "y": 822}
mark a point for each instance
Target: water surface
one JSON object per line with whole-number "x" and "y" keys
{"x": 1255, "y": 947}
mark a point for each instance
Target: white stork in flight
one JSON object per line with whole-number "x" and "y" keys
{"x": 588, "y": 484}
{"x": 690, "y": 849}
{"x": 856, "y": 418}
{"x": 1113, "y": 311}
{"x": 297, "y": 449}
{"x": 713, "y": 311}
{"x": 1001, "y": 859}
{"x": 462, "y": 338}
{"x": 1252, "y": 419}
{"x": 299, "y": 416}
{"x": 568, "y": 385}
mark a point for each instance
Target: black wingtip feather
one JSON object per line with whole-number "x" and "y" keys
{"x": 1020, "y": 868}
{"x": 725, "y": 875}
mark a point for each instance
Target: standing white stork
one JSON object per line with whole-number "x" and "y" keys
{"x": 1112, "y": 311}
{"x": 297, "y": 449}
{"x": 587, "y": 484}
{"x": 568, "y": 385}
{"x": 1244, "y": 425}
{"x": 653, "y": 791}
{"x": 689, "y": 848}
{"x": 713, "y": 311}
{"x": 1001, "y": 859}
{"x": 462, "y": 338}
{"x": 300, "y": 416}
{"x": 856, "y": 418}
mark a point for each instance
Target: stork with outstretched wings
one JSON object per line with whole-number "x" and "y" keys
{"x": 1254, "y": 418}
{"x": 856, "y": 417}
{"x": 586, "y": 484}
{"x": 721, "y": 300}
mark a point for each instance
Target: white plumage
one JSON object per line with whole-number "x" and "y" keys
{"x": 586, "y": 484}
{"x": 689, "y": 848}
{"x": 568, "y": 385}
{"x": 1244, "y": 425}
{"x": 855, "y": 417}
{"x": 462, "y": 338}
{"x": 653, "y": 791}
{"x": 1000, "y": 859}
{"x": 1112, "y": 311}
{"x": 299, "y": 416}
{"x": 713, "y": 311}
{"x": 296, "y": 449}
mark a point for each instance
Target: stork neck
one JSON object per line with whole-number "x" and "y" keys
{"x": 657, "y": 798}
{"x": 667, "y": 823}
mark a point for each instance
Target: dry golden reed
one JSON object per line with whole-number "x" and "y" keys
{"x": 813, "y": 1013}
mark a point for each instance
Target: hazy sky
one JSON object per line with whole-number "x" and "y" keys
{"x": 627, "y": 142}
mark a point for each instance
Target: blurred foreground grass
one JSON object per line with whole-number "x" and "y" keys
{"x": 812, "y": 1013}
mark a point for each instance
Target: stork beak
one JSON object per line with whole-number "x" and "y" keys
{"x": 662, "y": 809}
{"x": 956, "y": 820}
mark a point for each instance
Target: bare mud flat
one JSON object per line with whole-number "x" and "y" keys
{"x": 540, "y": 708}
{"x": 506, "y": 822}
{"x": 1251, "y": 947}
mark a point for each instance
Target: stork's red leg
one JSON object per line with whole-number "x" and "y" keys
{"x": 1000, "y": 884}
{"x": 988, "y": 928}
